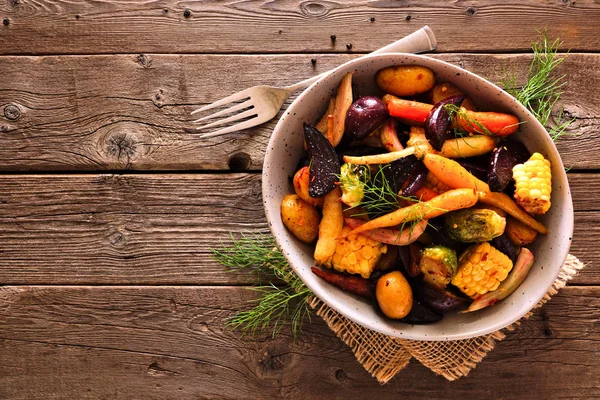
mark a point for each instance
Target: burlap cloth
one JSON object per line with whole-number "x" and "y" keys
{"x": 384, "y": 356}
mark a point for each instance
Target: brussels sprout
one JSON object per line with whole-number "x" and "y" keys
{"x": 474, "y": 225}
{"x": 352, "y": 179}
{"x": 438, "y": 265}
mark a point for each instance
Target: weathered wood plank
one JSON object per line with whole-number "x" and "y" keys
{"x": 79, "y": 113}
{"x": 56, "y": 26}
{"x": 90, "y": 343}
{"x": 159, "y": 229}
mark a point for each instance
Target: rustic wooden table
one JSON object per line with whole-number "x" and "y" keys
{"x": 110, "y": 203}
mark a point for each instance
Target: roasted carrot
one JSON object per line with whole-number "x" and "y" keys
{"x": 353, "y": 284}
{"x": 301, "y": 183}
{"x": 410, "y": 111}
{"x": 449, "y": 201}
{"x": 389, "y": 136}
{"x": 396, "y": 237}
{"x": 330, "y": 227}
{"x": 452, "y": 173}
{"x": 504, "y": 202}
{"x": 468, "y": 146}
{"x": 343, "y": 101}
{"x": 379, "y": 158}
{"x": 498, "y": 124}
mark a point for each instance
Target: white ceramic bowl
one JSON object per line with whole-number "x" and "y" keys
{"x": 285, "y": 150}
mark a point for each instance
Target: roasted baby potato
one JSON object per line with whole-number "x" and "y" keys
{"x": 442, "y": 91}
{"x": 300, "y": 218}
{"x": 405, "y": 80}
{"x": 394, "y": 295}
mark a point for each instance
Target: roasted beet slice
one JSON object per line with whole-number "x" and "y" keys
{"x": 504, "y": 244}
{"x": 438, "y": 121}
{"x": 504, "y": 158}
{"x": 324, "y": 163}
{"x": 421, "y": 315}
{"x": 443, "y": 301}
{"x": 479, "y": 171}
{"x": 416, "y": 179}
{"x": 398, "y": 171}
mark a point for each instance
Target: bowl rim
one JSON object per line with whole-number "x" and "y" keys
{"x": 391, "y": 331}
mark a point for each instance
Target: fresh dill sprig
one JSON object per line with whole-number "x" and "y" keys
{"x": 543, "y": 89}
{"x": 276, "y": 305}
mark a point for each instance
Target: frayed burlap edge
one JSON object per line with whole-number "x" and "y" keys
{"x": 384, "y": 356}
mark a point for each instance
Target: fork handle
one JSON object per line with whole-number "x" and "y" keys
{"x": 417, "y": 42}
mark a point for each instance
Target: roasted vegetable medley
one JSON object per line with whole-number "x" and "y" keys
{"x": 416, "y": 200}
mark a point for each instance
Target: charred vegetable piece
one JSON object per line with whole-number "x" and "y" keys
{"x": 478, "y": 171}
{"x": 416, "y": 179}
{"x": 324, "y": 164}
{"x": 414, "y": 258}
{"x": 519, "y": 233}
{"x": 504, "y": 158}
{"x": 533, "y": 184}
{"x": 364, "y": 115}
{"x": 481, "y": 269}
{"x": 438, "y": 121}
{"x": 352, "y": 183}
{"x": 421, "y": 315}
{"x": 394, "y": 295}
{"x": 390, "y": 260}
{"x": 353, "y": 284}
{"x": 474, "y": 225}
{"x": 504, "y": 244}
{"x": 509, "y": 285}
{"x": 442, "y": 301}
{"x": 438, "y": 265}
{"x": 398, "y": 171}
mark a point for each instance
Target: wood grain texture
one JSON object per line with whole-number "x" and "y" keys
{"x": 90, "y": 113}
{"x": 112, "y": 26}
{"x": 156, "y": 343}
{"x": 159, "y": 229}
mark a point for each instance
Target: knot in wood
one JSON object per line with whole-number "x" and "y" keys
{"x": 471, "y": 10}
{"x": 121, "y": 145}
{"x": 117, "y": 239}
{"x": 12, "y": 112}
{"x": 313, "y": 9}
{"x": 6, "y": 21}
{"x": 144, "y": 60}
{"x": 340, "y": 375}
{"x": 239, "y": 162}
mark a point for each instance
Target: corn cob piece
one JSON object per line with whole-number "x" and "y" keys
{"x": 481, "y": 268}
{"x": 433, "y": 183}
{"x": 356, "y": 254}
{"x": 533, "y": 184}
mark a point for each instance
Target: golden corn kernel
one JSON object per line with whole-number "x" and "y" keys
{"x": 533, "y": 184}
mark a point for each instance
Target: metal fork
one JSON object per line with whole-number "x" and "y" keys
{"x": 259, "y": 104}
